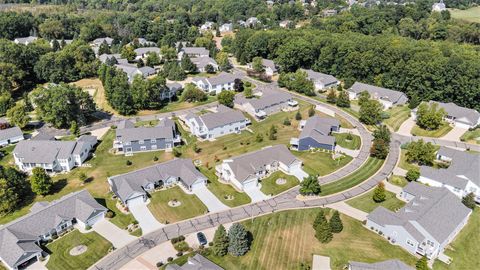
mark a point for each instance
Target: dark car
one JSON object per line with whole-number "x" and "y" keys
{"x": 202, "y": 239}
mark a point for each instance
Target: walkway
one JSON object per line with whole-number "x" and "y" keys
{"x": 349, "y": 152}
{"x": 392, "y": 188}
{"x": 454, "y": 134}
{"x": 113, "y": 233}
{"x": 145, "y": 219}
{"x": 211, "y": 201}
{"x": 348, "y": 210}
{"x": 256, "y": 194}
{"x": 406, "y": 128}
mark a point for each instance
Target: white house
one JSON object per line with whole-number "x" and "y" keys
{"x": 252, "y": 22}
{"x": 10, "y": 135}
{"x": 459, "y": 116}
{"x": 321, "y": 81}
{"x": 25, "y": 40}
{"x": 439, "y": 7}
{"x": 206, "y": 26}
{"x": 171, "y": 90}
{"x": 217, "y": 84}
{"x": 226, "y": 27}
{"x": 285, "y": 23}
{"x": 192, "y": 52}
{"x": 143, "y": 52}
{"x": 268, "y": 65}
{"x": 387, "y": 97}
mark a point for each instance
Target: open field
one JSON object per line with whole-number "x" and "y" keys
{"x": 398, "y": 115}
{"x": 269, "y": 186}
{"x": 353, "y": 144}
{"x": 367, "y": 204}
{"x": 470, "y": 15}
{"x": 437, "y": 133}
{"x": 471, "y": 136}
{"x": 95, "y": 88}
{"x": 60, "y": 257}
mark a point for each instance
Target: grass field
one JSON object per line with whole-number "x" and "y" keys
{"x": 284, "y": 240}
{"x": 321, "y": 163}
{"x": 190, "y": 206}
{"x": 437, "y": 133}
{"x": 270, "y": 187}
{"x": 470, "y": 15}
{"x": 471, "y": 136}
{"x": 61, "y": 259}
{"x": 224, "y": 191}
{"x": 398, "y": 115}
{"x": 398, "y": 180}
{"x": 95, "y": 88}
{"x": 464, "y": 249}
{"x": 6, "y": 156}
{"x": 369, "y": 168}
{"x": 367, "y": 204}
{"x": 120, "y": 219}
{"x": 342, "y": 141}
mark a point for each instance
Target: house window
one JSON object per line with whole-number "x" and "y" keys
{"x": 154, "y": 146}
{"x": 143, "y": 148}
{"x": 153, "y": 141}
{"x": 410, "y": 243}
{"x": 430, "y": 243}
{"x": 128, "y": 143}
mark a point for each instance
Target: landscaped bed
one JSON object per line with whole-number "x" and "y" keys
{"x": 60, "y": 258}
{"x": 277, "y": 183}
{"x": 189, "y": 205}
{"x": 398, "y": 115}
{"x": 224, "y": 192}
{"x": 436, "y": 133}
{"x": 343, "y": 140}
{"x": 321, "y": 163}
{"x": 367, "y": 204}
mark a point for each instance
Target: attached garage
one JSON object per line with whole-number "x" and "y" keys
{"x": 250, "y": 184}
{"x": 96, "y": 218}
{"x": 136, "y": 200}
{"x": 198, "y": 184}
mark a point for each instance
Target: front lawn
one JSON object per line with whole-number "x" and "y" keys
{"x": 190, "y": 206}
{"x": 436, "y": 133}
{"x": 6, "y": 156}
{"x": 286, "y": 239}
{"x": 224, "y": 192}
{"x": 321, "y": 163}
{"x": 60, "y": 258}
{"x": 342, "y": 140}
{"x": 398, "y": 180}
{"x": 398, "y": 115}
{"x": 471, "y": 136}
{"x": 367, "y": 204}
{"x": 178, "y": 105}
{"x": 120, "y": 219}
{"x": 269, "y": 185}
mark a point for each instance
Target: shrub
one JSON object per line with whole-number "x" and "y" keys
{"x": 159, "y": 264}
{"x": 181, "y": 246}
{"x": 155, "y": 158}
{"x": 298, "y": 116}
{"x": 109, "y": 214}
{"x": 177, "y": 152}
{"x": 287, "y": 122}
{"x": 169, "y": 259}
{"x": 412, "y": 175}
{"x": 88, "y": 227}
{"x": 179, "y": 254}
{"x": 128, "y": 163}
{"x": 379, "y": 193}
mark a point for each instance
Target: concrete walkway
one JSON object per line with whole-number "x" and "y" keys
{"x": 399, "y": 171}
{"x": 211, "y": 201}
{"x": 346, "y": 209}
{"x": 354, "y": 131}
{"x": 145, "y": 219}
{"x": 392, "y": 188}
{"x": 406, "y": 128}
{"x": 321, "y": 263}
{"x": 112, "y": 233}
{"x": 454, "y": 134}
{"x": 349, "y": 152}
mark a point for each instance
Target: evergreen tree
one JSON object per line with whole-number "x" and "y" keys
{"x": 323, "y": 232}
{"x": 188, "y": 65}
{"x": 422, "y": 264}
{"x": 238, "y": 85}
{"x": 74, "y": 129}
{"x": 287, "y": 122}
{"x": 104, "y": 48}
{"x": 343, "y": 100}
{"x": 209, "y": 69}
{"x": 55, "y": 45}
{"x": 319, "y": 218}
{"x": 311, "y": 111}
{"x": 298, "y": 116}
{"x": 336, "y": 223}
{"x": 331, "y": 96}
{"x": 469, "y": 200}
{"x": 40, "y": 181}
{"x": 379, "y": 193}
{"x": 238, "y": 242}
{"x": 220, "y": 242}
{"x": 272, "y": 133}
{"x": 310, "y": 186}
{"x": 379, "y": 149}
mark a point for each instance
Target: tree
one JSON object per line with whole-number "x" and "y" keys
{"x": 412, "y": 175}
{"x": 257, "y": 64}
{"x": 83, "y": 177}
{"x": 40, "y": 181}
{"x": 238, "y": 85}
{"x": 310, "y": 186}
{"x": 319, "y": 218}
{"x": 74, "y": 129}
{"x": 55, "y": 45}
{"x": 223, "y": 62}
{"x": 287, "y": 122}
{"x": 323, "y": 231}
{"x": 152, "y": 59}
{"x": 363, "y": 97}
{"x": 336, "y": 223}
{"x": 259, "y": 138}
{"x": 238, "y": 240}
{"x": 10, "y": 77}
{"x": 420, "y": 152}
{"x": 343, "y": 100}
{"x": 311, "y": 111}
{"x": 187, "y": 65}
{"x": 220, "y": 242}
{"x": 192, "y": 94}
{"x": 8, "y": 197}
{"x": 422, "y": 264}
{"x": 469, "y": 200}
{"x": 13, "y": 190}
{"x": 226, "y": 98}
{"x": 298, "y": 116}
{"x": 209, "y": 69}
{"x": 6, "y": 102}
{"x": 370, "y": 112}
{"x": 331, "y": 96}
{"x": 272, "y": 133}
{"x": 430, "y": 117}
{"x": 297, "y": 82}
{"x": 104, "y": 48}
{"x": 128, "y": 53}
{"x": 379, "y": 193}
{"x": 382, "y": 132}
{"x": 379, "y": 149}
{"x": 168, "y": 53}
{"x": 174, "y": 71}
{"x": 18, "y": 115}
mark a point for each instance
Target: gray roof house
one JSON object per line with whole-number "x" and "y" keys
{"x": 268, "y": 65}
{"x": 129, "y": 139}
{"x": 171, "y": 91}
{"x": 132, "y": 187}
{"x": 98, "y": 41}
{"x": 103, "y": 58}
{"x": 245, "y": 171}
{"x": 202, "y": 62}
{"x": 133, "y": 70}
{"x": 25, "y": 40}
{"x": 216, "y": 124}
{"x": 10, "y": 135}
{"x": 460, "y": 116}
{"x": 426, "y": 224}
{"x": 462, "y": 175}
{"x": 20, "y": 239}
{"x": 193, "y": 52}
{"x": 226, "y": 27}
{"x": 385, "y": 265}
{"x": 197, "y": 262}
{"x": 53, "y": 156}
{"x": 144, "y": 51}
{"x": 316, "y": 133}
{"x": 387, "y": 97}
{"x": 321, "y": 81}
{"x": 218, "y": 83}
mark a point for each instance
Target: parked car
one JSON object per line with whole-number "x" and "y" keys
{"x": 202, "y": 239}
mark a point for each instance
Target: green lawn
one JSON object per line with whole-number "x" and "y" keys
{"x": 6, "y": 156}
{"x": 369, "y": 168}
{"x": 178, "y": 105}
{"x": 190, "y": 206}
{"x": 61, "y": 259}
{"x": 270, "y": 187}
{"x": 342, "y": 141}
{"x": 286, "y": 239}
{"x": 404, "y": 164}
{"x": 398, "y": 115}
{"x": 367, "y": 204}
{"x": 464, "y": 249}
{"x": 471, "y": 136}
{"x": 437, "y": 133}
{"x": 469, "y": 15}
{"x": 224, "y": 192}
{"x": 321, "y": 163}
{"x": 398, "y": 180}
{"x": 120, "y": 219}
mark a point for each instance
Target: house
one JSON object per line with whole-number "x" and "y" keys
{"x": 268, "y": 65}
{"x": 218, "y": 83}
{"x": 390, "y": 265}
{"x": 285, "y": 23}
{"x": 426, "y": 224}
{"x": 10, "y": 135}
{"x": 329, "y": 12}
{"x": 439, "y": 7}
{"x": 226, "y": 27}
{"x": 21, "y": 240}
{"x": 143, "y": 42}
{"x": 193, "y": 52}
{"x": 202, "y": 62}
{"x": 143, "y": 52}
{"x": 267, "y": 101}
{"x": 316, "y": 133}
{"x": 252, "y": 22}
{"x": 197, "y": 262}
{"x": 386, "y": 97}
{"x": 104, "y": 57}
{"x": 99, "y": 41}
{"x": 206, "y": 26}
{"x": 133, "y": 70}
{"x": 216, "y": 124}
{"x": 171, "y": 91}
{"x": 132, "y": 187}
{"x": 245, "y": 171}
{"x": 459, "y": 116}
{"x": 462, "y": 175}
{"x": 130, "y": 139}
{"x": 25, "y": 40}
{"x": 53, "y": 156}
{"x": 321, "y": 81}
{"x": 67, "y": 41}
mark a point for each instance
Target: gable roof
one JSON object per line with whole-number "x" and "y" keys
{"x": 25, "y": 40}
{"x": 144, "y": 50}
{"x": 43, "y": 151}
{"x": 195, "y": 51}
{"x": 396, "y": 97}
{"x": 326, "y": 79}
{"x": 223, "y": 116}
{"x": 461, "y": 114}
{"x": 99, "y": 41}
{"x": 269, "y": 97}
{"x": 9, "y": 133}
{"x": 202, "y": 62}
{"x": 269, "y": 64}
{"x": 319, "y": 128}
{"x": 127, "y": 133}
{"x": 390, "y": 265}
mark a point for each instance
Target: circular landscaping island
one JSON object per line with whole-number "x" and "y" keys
{"x": 78, "y": 250}
{"x": 281, "y": 181}
{"x": 174, "y": 203}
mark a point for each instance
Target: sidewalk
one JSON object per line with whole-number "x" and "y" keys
{"x": 346, "y": 209}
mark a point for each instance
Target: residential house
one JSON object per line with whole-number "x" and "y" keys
{"x": 10, "y": 135}
{"x": 439, "y": 7}
{"x": 321, "y": 81}
{"x": 171, "y": 91}
{"x": 459, "y": 116}
{"x": 104, "y": 57}
{"x": 390, "y": 265}
{"x": 285, "y": 23}
{"x": 386, "y": 97}
{"x": 133, "y": 70}
{"x": 67, "y": 41}
{"x": 217, "y": 84}
{"x": 226, "y": 27}
{"x": 329, "y": 12}
{"x": 53, "y": 156}
{"x": 143, "y": 42}
{"x": 268, "y": 65}
{"x": 21, "y": 240}
{"x": 99, "y": 41}
{"x": 252, "y": 22}
{"x": 132, "y": 187}
{"x": 426, "y": 224}
{"x": 193, "y": 52}
{"x": 215, "y": 124}
{"x": 130, "y": 139}
{"x": 143, "y": 52}
{"x": 25, "y": 40}
{"x": 197, "y": 262}
{"x": 202, "y": 62}
{"x": 266, "y": 101}
{"x": 316, "y": 133}
{"x": 462, "y": 175}
{"x": 207, "y": 26}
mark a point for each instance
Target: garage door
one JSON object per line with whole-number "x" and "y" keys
{"x": 136, "y": 201}
{"x": 249, "y": 185}
{"x": 96, "y": 219}
{"x": 198, "y": 185}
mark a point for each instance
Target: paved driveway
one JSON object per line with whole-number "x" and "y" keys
{"x": 145, "y": 219}
{"x": 255, "y": 194}
{"x": 346, "y": 209}
{"x": 299, "y": 174}
{"x": 454, "y": 134}
{"x": 112, "y": 233}
{"x": 406, "y": 127}
{"x": 211, "y": 201}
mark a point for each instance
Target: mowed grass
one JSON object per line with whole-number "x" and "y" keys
{"x": 353, "y": 144}
{"x": 437, "y": 133}
{"x": 286, "y": 239}
{"x": 321, "y": 163}
{"x": 6, "y": 156}
{"x": 120, "y": 219}
{"x": 224, "y": 192}
{"x": 369, "y": 168}
{"x": 464, "y": 249}
{"x": 398, "y": 180}
{"x": 190, "y": 206}
{"x": 470, "y": 15}
{"x": 61, "y": 259}
{"x": 471, "y": 136}
{"x": 366, "y": 203}
{"x": 269, "y": 185}
{"x": 177, "y": 105}
{"x": 398, "y": 115}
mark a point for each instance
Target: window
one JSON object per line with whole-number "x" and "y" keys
{"x": 153, "y": 141}
{"x": 430, "y": 243}
{"x": 410, "y": 243}
{"x": 154, "y": 146}
{"x": 128, "y": 143}
{"x": 143, "y": 148}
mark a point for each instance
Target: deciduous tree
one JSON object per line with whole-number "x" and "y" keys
{"x": 40, "y": 181}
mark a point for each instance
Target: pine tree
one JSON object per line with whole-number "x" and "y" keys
{"x": 379, "y": 193}
{"x": 55, "y": 45}
{"x": 220, "y": 242}
{"x": 311, "y": 111}
{"x": 319, "y": 219}
{"x": 298, "y": 116}
{"x": 188, "y": 65}
{"x": 336, "y": 223}
{"x": 323, "y": 232}
{"x": 238, "y": 242}
{"x": 422, "y": 264}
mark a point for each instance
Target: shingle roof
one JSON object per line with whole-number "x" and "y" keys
{"x": 461, "y": 114}
{"x": 385, "y": 265}
{"x": 145, "y": 133}
{"x": 99, "y": 41}
{"x": 319, "y": 129}
{"x": 41, "y": 151}
{"x": 195, "y": 50}
{"x": 25, "y": 40}
{"x": 396, "y": 97}
{"x": 222, "y": 117}
{"x": 144, "y": 50}
{"x": 202, "y": 62}
{"x": 270, "y": 64}
{"x": 326, "y": 79}
{"x": 268, "y": 98}
{"x": 9, "y": 133}
{"x": 197, "y": 262}
{"x": 222, "y": 78}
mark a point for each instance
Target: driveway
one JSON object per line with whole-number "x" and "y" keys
{"x": 145, "y": 219}
{"x": 455, "y": 134}
{"x": 346, "y": 209}
{"x": 299, "y": 174}
{"x": 349, "y": 152}
{"x": 255, "y": 194}
{"x": 112, "y": 233}
{"x": 211, "y": 201}
{"x": 406, "y": 127}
